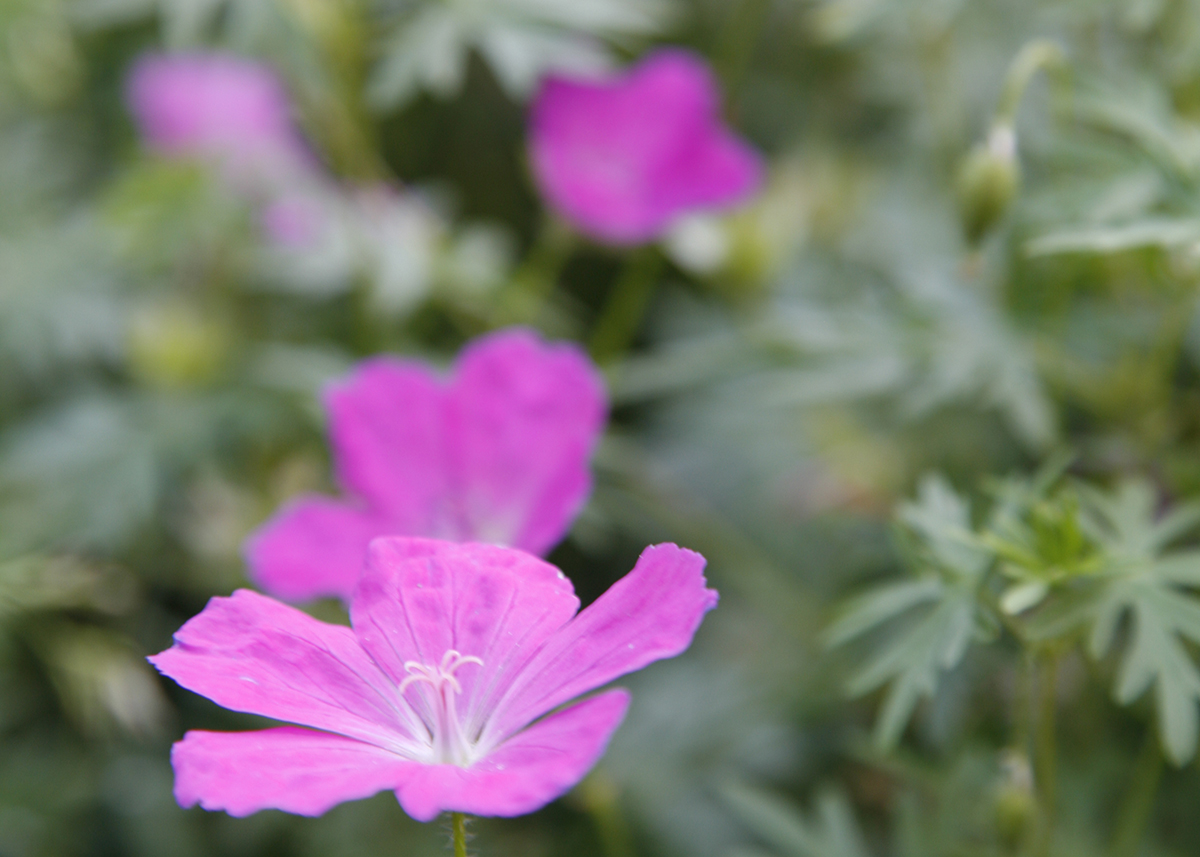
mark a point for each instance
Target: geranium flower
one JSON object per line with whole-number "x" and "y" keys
{"x": 499, "y": 454}
{"x": 623, "y": 158}
{"x": 444, "y": 690}
{"x": 218, "y": 107}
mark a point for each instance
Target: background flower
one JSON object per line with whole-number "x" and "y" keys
{"x": 499, "y": 453}
{"x": 622, "y": 157}
{"x": 219, "y": 107}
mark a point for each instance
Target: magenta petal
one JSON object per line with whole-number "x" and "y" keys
{"x": 296, "y": 770}
{"x": 622, "y": 158}
{"x": 313, "y": 547}
{"x": 649, "y": 614}
{"x": 522, "y": 419}
{"x": 420, "y": 598}
{"x": 216, "y": 106}
{"x": 250, "y": 653}
{"x": 527, "y": 771}
{"x": 386, "y": 426}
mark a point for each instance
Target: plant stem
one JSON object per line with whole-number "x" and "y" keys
{"x": 1138, "y": 802}
{"x": 1045, "y": 752}
{"x": 599, "y": 795}
{"x": 742, "y": 32}
{"x": 458, "y": 824}
{"x": 627, "y": 302}
{"x": 535, "y": 279}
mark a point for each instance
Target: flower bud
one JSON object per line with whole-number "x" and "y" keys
{"x": 987, "y": 181}
{"x": 175, "y": 346}
{"x": 1014, "y": 807}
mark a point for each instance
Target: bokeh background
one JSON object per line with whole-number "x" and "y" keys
{"x": 911, "y": 292}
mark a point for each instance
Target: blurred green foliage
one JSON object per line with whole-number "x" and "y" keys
{"x": 959, "y": 266}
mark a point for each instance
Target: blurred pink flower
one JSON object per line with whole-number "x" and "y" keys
{"x": 622, "y": 158}
{"x": 455, "y": 651}
{"x": 499, "y": 454}
{"x": 219, "y": 107}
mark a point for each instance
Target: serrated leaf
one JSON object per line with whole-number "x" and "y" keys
{"x": 831, "y": 831}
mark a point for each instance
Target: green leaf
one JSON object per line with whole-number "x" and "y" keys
{"x": 830, "y": 831}
{"x": 1157, "y": 593}
{"x": 933, "y": 618}
{"x": 522, "y": 40}
{"x": 1166, "y": 232}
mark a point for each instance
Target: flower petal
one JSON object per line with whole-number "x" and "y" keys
{"x": 296, "y": 770}
{"x": 251, "y": 653}
{"x": 312, "y": 547}
{"x": 649, "y": 614}
{"x": 527, "y": 771}
{"x": 387, "y": 430}
{"x": 420, "y": 598}
{"x": 522, "y": 418}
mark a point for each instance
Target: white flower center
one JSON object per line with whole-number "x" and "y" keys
{"x": 448, "y": 742}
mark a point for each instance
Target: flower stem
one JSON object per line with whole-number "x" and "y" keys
{"x": 458, "y": 824}
{"x": 1045, "y": 762}
{"x": 525, "y": 296}
{"x": 599, "y": 795}
{"x": 1138, "y": 802}
{"x": 622, "y": 314}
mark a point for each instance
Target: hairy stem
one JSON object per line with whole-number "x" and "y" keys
{"x": 458, "y": 825}
{"x": 627, "y": 302}
{"x": 1138, "y": 803}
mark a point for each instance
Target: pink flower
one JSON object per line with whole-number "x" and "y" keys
{"x": 622, "y": 158}
{"x": 441, "y": 691}
{"x": 499, "y": 454}
{"x": 220, "y": 107}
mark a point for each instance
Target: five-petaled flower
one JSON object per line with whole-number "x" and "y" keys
{"x": 446, "y": 690}
{"x": 499, "y": 455}
{"x": 623, "y": 158}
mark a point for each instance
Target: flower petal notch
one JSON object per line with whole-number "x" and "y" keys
{"x": 218, "y": 107}
{"x": 456, "y": 687}
{"x": 623, "y": 158}
{"x": 497, "y": 454}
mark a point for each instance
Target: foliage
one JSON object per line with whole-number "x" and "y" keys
{"x": 977, "y": 245}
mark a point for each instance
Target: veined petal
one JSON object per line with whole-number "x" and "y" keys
{"x": 522, "y": 419}
{"x": 420, "y": 598}
{"x": 251, "y": 653}
{"x": 312, "y": 547}
{"x": 296, "y": 770}
{"x": 527, "y": 771}
{"x": 387, "y": 430}
{"x": 649, "y": 614}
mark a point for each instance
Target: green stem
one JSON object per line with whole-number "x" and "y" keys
{"x": 742, "y": 33}
{"x": 1034, "y": 56}
{"x": 532, "y": 283}
{"x": 1045, "y": 761}
{"x": 1138, "y": 803}
{"x": 458, "y": 824}
{"x": 626, "y": 306}
{"x": 599, "y": 795}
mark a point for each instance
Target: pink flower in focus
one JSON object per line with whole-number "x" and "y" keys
{"x": 440, "y": 690}
{"x": 217, "y": 106}
{"x": 622, "y": 158}
{"x": 499, "y": 454}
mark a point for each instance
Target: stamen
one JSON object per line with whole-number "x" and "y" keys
{"x": 448, "y": 743}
